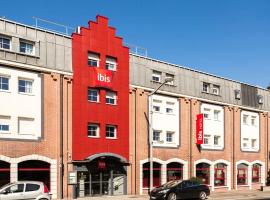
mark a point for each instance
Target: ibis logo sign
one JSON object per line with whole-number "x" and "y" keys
{"x": 102, "y": 78}
{"x": 199, "y": 129}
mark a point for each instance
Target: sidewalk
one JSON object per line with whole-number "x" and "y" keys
{"x": 232, "y": 195}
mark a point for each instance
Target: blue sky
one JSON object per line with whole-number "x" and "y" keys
{"x": 229, "y": 38}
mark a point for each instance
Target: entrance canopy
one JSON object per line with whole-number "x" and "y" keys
{"x": 116, "y": 156}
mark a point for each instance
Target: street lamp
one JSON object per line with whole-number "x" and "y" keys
{"x": 150, "y": 100}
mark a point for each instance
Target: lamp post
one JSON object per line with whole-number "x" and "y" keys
{"x": 150, "y": 100}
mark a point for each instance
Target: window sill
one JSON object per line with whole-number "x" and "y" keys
{"x": 19, "y": 53}
{"x": 5, "y": 91}
{"x": 111, "y": 104}
{"x": 25, "y": 93}
{"x": 153, "y": 81}
{"x": 18, "y": 137}
{"x": 92, "y": 66}
{"x": 93, "y": 136}
{"x": 93, "y": 101}
{"x": 111, "y": 138}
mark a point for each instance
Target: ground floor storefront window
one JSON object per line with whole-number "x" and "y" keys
{"x": 156, "y": 174}
{"x": 242, "y": 174}
{"x": 4, "y": 173}
{"x": 256, "y": 175}
{"x": 220, "y": 174}
{"x": 203, "y": 172}
{"x": 174, "y": 171}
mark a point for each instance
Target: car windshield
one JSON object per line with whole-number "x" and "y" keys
{"x": 170, "y": 184}
{"x": 4, "y": 186}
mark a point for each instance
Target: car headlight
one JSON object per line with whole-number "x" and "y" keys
{"x": 163, "y": 191}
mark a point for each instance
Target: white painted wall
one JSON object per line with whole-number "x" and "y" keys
{"x": 17, "y": 105}
{"x": 250, "y": 131}
{"x": 164, "y": 121}
{"x": 212, "y": 126}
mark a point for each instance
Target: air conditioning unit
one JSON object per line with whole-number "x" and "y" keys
{"x": 260, "y": 99}
{"x": 237, "y": 94}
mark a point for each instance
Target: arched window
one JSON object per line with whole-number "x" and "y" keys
{"x": 174, "y": 171}
{"x": 4, "y": 173}
{"x": 34, "y": 170}
{"x": 203, "y": 172}
{"x": 256, "y": 173}
{"x": 156, "y": 174}
{"x": 242, "y": 174}
{"x": 220, "y": 174}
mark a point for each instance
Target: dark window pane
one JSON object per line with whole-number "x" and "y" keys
{"x": 32, "y": 187}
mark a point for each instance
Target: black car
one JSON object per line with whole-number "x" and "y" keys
{"x": 180, "y": 190}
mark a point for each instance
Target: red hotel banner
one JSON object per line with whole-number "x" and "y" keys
{"x": 102, "y": 78}
{"x": 199, "y": 129}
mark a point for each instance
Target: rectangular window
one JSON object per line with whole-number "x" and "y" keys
{"x": 156, "y": 136}
{"x": 110, "y": 97}
{"x": 27, "y": 48}
{"x": 216, "y": 115}
{"x": 25, "y": 86}
{"x": 245, "y": 142}
{"x": 216, "y": 140}
{"x": 216, "y": 89}
{"x": 93, "y": 130}
{"x": 4, "y": 83}
{"x": 206, "y": 87}
{"x": 26, "y": 126}
{"x": 93, "y": 95}
{"x": 156, "y": 76}
{"x": 253, "y": 143}
{"x": 110, "y": 131}
{"x": 170, "y": 76}
{"x": 93, "y": 59}
{"x": 245, "y": 119}
{"x": 206, "y": 139}
{"x": 111, "y": 63}
{"x": 4, "y": 43}
{"x": 206, "y": 113}
{"x": 169, "y": 110}
{"x": 156, "y": 108}
{"x": 253, "y": 121}
{"x": 169, "y": 136}
{"x": 4, "y": 124}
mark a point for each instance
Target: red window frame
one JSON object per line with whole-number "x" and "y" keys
{"x": 256, "y": 177}
{"x": 220, "y": 180}
{"x": 242, "y": 176}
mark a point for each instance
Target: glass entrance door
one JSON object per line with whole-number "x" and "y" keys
{"x": 100, "y": 183}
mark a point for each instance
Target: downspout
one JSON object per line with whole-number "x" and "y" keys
{"x": 267, "y": 145}
{"x": 135, "y": 142}
{"x": 61, "y": 137}
{"x": 190, "y": 138}
{"x": 233, "y": 150}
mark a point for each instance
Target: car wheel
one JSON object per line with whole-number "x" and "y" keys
{"x": 171, "y": 196}
{"x": 203, "y": 195}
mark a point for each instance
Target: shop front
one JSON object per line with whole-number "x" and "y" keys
{"x": 101, "y": 174}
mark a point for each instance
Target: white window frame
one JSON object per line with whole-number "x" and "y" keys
{"x": 95, "y": 57}
{"x": 207, "y": 113}
{"x": 27, "y": 50}
{"x": 246, "y": 119}
{"x": 5, "y": 121}
{"x": 172, "y": 136}
{"x": 2, "y": 42}
{"x": 206, "y": 87}
{"x": 156, "y": 74}
{"x": 159, "y": 132}
{"x": 97, "y": 130}
{"x": 111, "y": 63}
{"x": 253, "y": 121}
{"x": 217, "y": 115}
{"x": 156, "y": 108}
{"x": 111, "y": 95}
{"x": 167, "y": 75}
{"x": 208, "y": 137}
{"x": 1, "y": 78}
{"x": 26, "y": 87}
{"x": 115, "y": 131}
{"x": 219, "y": 137}
{"x": 91, "y": 89}
{"x": 216, "y": 90}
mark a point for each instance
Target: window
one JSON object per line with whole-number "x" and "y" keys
{"x": 156, "y": 108}
{"x": 253, "y": 143}
{"x": 245, "y": 119}
{"x": 110, "y": 97}
{"x": 93, "y": 95}
{"x": 206, "y": 113}
{"x": 216, "y": 140}
{"x": 169, "y": 110}
{"x": 203, "y": 172}
{"x": 156, "y": 174}
{"x": 93, "y": 130}
{"x": 170, "y": 76}
{"x": 111, "y": 131}
{"x": 27, "y": 48}
{"x": 242, "y": 174}
{"x": 111, "y": 63}
{"x": 169, "y": 136}
{"x": 4, "y": 43}
{"x": 206, "y": 87}
{"x": 4, "y": 83}
{"x": 253, "y": 121}
{"x": 206, "y": 139}
{"x": 216, "y": 115}
{"x": 220, "y": 174}
{"x": 156, "y": 76}
{"x": 156, "y": 136}
{"x": 31, "y": 187}
{"x": 174, "y": 171}
{"x": 245, "y": 142}
{"x": 4, "y": 124}
{"x": 216, "y": 89}
{"x": 15, "y": 188}
{"x": 26, "y": 126}
{"x": 25, "y": 86}
{"x": 256, "y": 175}
{"x": 93, "y": 59}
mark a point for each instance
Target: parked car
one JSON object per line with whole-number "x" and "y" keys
{"x": 186, "y": 189}
{"x": 25, "y": 190}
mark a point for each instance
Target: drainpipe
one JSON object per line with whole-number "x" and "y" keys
{"x": 233, "y": 150}
{"x": 61, "y": 137}
{"x": 267, "y": 145}
{"x": 190, "y": 138}
{"x": 135, "y": 142}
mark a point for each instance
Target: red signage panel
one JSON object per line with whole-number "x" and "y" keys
{"x": 199, "y": 129}
{"x": 102, "y": 78}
